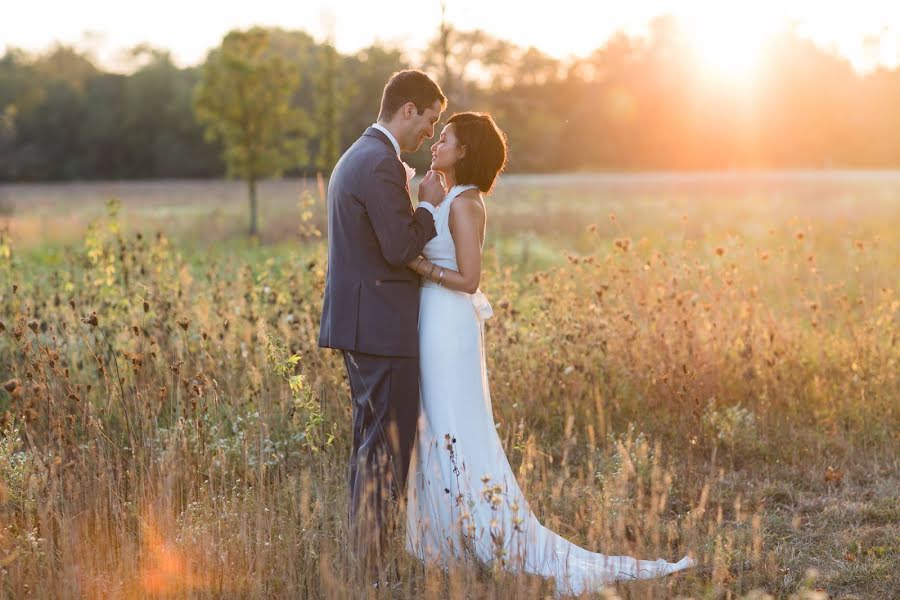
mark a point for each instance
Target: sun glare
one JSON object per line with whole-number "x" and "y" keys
{"x": 728, "y": 47}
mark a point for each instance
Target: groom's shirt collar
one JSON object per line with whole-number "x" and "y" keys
{"x": 389, "y": 135}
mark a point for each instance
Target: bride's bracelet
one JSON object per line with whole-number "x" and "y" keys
{"x": 441, "y": 277}
{"x": 431, "y": 271}
{"x": 418, "y": 264}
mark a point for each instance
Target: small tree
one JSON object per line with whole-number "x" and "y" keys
{"x": 244, "y": 100}
{"x": 329, "y": 105}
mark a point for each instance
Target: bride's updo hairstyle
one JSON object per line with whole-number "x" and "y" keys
{"x": 485, "y": 148}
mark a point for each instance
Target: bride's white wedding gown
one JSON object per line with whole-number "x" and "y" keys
{"x": 463, "y": 499}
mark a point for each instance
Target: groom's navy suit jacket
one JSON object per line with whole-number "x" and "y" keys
{"x": 371, "y": 300}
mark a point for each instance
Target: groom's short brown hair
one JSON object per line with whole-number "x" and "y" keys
{"x": 409, "y": 86}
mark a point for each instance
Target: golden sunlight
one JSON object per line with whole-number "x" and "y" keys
{"x": 165, "y": 569}
{"x": 728, "y": 46}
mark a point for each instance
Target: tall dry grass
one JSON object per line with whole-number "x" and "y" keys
{"x": 171, "y": 429}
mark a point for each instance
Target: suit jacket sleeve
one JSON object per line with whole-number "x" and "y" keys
{"x": 401, "y": 232}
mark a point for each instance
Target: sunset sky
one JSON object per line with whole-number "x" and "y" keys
{"x": 867, "y": 32}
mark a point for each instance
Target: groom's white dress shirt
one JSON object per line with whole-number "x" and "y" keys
{"x": 390, "y": 136}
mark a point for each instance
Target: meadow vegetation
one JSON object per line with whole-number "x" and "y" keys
{"x": 689, "y": 364}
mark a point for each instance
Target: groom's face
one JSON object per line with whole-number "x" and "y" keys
{"x": 421, "y": 127}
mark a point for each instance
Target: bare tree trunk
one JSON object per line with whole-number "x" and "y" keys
{"x": 251, "y": 185}
{"x": 445, "y": 51}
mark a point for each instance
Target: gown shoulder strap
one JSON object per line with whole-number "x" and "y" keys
{"x": 455, "y": 191}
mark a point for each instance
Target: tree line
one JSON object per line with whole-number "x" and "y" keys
{"x": 637, "y": 102}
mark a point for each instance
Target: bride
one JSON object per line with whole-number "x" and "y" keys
{"x": 463, "y": 498}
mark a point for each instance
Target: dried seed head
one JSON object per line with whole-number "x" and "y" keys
{"x": 720, "y": 251}
{"x": 183, "y": 323}
{"x": 91, "y": 320}
{"x": 33, "y": 326}
{"x": 146, "y": 307}
{"x": 11, "y": 385}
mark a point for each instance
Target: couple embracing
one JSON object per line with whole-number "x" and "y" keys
{"x": 403, "y": 305}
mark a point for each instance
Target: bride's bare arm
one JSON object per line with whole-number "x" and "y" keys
{"x": 467, "y": 226}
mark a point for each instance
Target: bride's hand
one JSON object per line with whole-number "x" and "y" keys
{"x": 431, "y": 189}
{"x": 416, "y": 263}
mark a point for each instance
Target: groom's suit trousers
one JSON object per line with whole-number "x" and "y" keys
{"x": 385, "y": 392}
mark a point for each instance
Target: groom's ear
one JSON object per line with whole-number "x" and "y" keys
{"x": 409, "y": 109}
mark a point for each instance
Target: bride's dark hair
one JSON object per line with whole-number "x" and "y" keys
{"x": 485, "y": 148}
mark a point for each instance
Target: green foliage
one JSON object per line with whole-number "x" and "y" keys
{"x": 65, "y": 119}
{"x": 7, "y": 134}
{"x": 733, "y": 426}
{"x": 331, "y": 100}
{"x": 244, "y": 100}
{"x": 15, "y": 469}
{"x": 6, "y": 256}
{"x": 61, "y": 117}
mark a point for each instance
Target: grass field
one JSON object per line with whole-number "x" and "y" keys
{"x": 716, "y": 351}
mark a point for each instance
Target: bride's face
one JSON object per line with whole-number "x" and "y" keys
{"x": 446, "y": 151}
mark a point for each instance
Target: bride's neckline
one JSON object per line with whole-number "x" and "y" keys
{"x": 458, "y": 189}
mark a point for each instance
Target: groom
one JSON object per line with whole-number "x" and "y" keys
{"x": 371, "y": 305}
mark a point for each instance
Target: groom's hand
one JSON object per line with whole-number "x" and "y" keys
{"x": 431, "y": 190}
